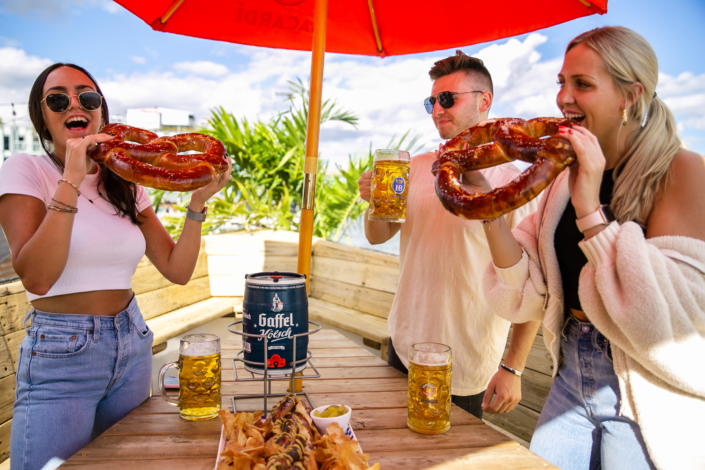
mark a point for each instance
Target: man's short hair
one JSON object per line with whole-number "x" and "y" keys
{"x": 461, "y": 62}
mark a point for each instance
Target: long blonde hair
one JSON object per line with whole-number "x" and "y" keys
{"x": 640, "y": 174}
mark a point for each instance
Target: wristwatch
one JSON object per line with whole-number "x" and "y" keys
{"x": 197, "y": 216}
{"x": 602, "y": 216}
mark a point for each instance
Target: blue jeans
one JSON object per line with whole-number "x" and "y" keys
{"x": 580, "y": 427}
{"x": 77, "y": 375}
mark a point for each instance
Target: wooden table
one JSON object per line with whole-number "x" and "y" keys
{"x": 154, "y": 437}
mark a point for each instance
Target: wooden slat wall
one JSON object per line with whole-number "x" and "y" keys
{"x": 355, "y": 278}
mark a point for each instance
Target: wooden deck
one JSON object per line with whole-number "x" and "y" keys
{"x": 154, "y": 437}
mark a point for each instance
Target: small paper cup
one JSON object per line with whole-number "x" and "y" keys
{"x": 323, "y": 423}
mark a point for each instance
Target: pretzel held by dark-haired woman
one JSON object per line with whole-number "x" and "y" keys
{"x": 492, "y": 143}
{"x": 154, "y": 161}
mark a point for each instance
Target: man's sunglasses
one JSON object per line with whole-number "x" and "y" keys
{"x": 445, "y": 98}
{"x": 59, "y": 102}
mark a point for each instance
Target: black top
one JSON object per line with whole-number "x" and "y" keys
{"x": 571, "y": 258}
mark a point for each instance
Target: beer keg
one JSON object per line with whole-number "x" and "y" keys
{"x": 275, "y": 306}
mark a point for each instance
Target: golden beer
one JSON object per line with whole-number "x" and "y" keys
{"x": 429, "y": 395}
{"x": 199, "y": 386}
{"x": 389, "y": 186}
{"x": 199, "y": 377}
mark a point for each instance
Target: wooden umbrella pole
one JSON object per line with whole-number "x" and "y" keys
{"x": 320, "y": 14}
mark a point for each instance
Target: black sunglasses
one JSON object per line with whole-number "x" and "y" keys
{"x": 445, "y": 99}
{"x": 59, "y": 102}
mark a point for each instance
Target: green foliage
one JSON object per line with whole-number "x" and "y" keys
{"x": 267, "y": 176}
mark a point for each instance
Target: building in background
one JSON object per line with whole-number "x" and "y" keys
{"x": 18, "y": 138}
{"x": 162, "y": 121}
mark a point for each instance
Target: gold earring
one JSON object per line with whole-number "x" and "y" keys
{"x": 624, "y": 117}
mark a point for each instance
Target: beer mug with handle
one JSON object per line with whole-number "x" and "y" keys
{"x": 199, "y": 377}
{"x": 429, "y": 395}
{"x": 389, "y": 186}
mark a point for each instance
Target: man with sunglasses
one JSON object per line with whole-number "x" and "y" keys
{"x": 443, "y": 259}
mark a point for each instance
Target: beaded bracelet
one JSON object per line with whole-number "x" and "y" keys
{"x": 69, "y": 182}
{"x": 509, "y": 369}
{"x": 485, "y": 222}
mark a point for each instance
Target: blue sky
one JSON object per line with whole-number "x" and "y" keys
{"x": 138, "y": 67}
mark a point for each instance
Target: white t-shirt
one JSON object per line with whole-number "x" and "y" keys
{"x": 105, "y": 247}
{"x": 441, "y": 267}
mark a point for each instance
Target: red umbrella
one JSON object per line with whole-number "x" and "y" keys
{"x": 366, "y": 27}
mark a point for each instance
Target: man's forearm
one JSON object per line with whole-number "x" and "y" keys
{"x": 523, "y": 335}
{"x": 379, "y": 232}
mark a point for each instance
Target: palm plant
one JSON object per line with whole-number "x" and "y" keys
{"x": 267, "y": 176}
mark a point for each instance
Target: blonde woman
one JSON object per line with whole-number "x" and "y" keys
{"x": 622, "y": 301}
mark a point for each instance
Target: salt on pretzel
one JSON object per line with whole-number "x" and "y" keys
{"x": 492, "y": 143}
{"x": 155, "y": 161}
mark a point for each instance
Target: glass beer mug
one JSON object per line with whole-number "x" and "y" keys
{"x": 199, "y": 377}
{"x": 429, "y": 395}
{"x": 389, "y": 186}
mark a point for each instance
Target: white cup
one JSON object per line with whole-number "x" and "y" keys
{"x": 323, "y": 423}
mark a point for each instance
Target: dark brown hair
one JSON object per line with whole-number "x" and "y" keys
{"x": 120, "y": 193}
{"x": 461, "y": 62}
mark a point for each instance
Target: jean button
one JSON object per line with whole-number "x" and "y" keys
{"x": 586, "y": 329}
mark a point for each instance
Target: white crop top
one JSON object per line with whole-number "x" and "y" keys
{"x": 105, "y": 247}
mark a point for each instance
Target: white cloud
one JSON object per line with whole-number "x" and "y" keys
{"x": 138, "y": 60}
{"x": 18, "y": 70}
{"x": 202, "y": 67}
{"x": 17, "y": 74}
{"x": 685, "y": 96}
{"x": 386, "y": 95}
{"x": 50, "y": 9}
{"x": 110, "y": 6}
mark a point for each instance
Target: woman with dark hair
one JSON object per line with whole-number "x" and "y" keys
{"x": 613, "y": 263}
{"x": 77, "y": 232}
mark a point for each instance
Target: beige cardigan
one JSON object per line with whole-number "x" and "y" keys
{"x": 646, "y": 296}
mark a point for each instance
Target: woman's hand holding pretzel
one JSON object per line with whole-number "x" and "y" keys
{"x": 201, "y": 195}
{"x": 77, "y": 164}
{"x": 586, "y": 173}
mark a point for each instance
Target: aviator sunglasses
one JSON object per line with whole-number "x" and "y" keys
{"x": 59, "y": 102}
{"x": 445, "y": 99}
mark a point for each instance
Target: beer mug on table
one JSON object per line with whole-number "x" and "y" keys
{"x": 429, "y": 395}
{"x": 199, "y": 377}
{"x": 389, "y": 186}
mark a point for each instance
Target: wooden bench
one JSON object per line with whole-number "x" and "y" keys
{"x": 169, "y": 309}
{"x": 353, "y": 289}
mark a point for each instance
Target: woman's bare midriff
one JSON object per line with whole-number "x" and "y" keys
{"x": 100, "y": 302}
{"x": 579, "y": 314}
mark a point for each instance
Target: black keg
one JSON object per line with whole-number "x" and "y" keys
{"x": 275, "y": 305}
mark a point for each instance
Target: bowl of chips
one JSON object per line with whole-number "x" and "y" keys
{"x": 324, "y": 416}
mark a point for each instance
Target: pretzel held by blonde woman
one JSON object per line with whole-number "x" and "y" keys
{"x": 154, "y": 161}
{"x": 492, "y": 143}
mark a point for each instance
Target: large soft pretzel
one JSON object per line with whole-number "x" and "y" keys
{"x": 495, "y": 142}
{"x": 154, "y": 161}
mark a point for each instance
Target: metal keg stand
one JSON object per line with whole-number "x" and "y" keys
{"x": 267, "y": 378}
